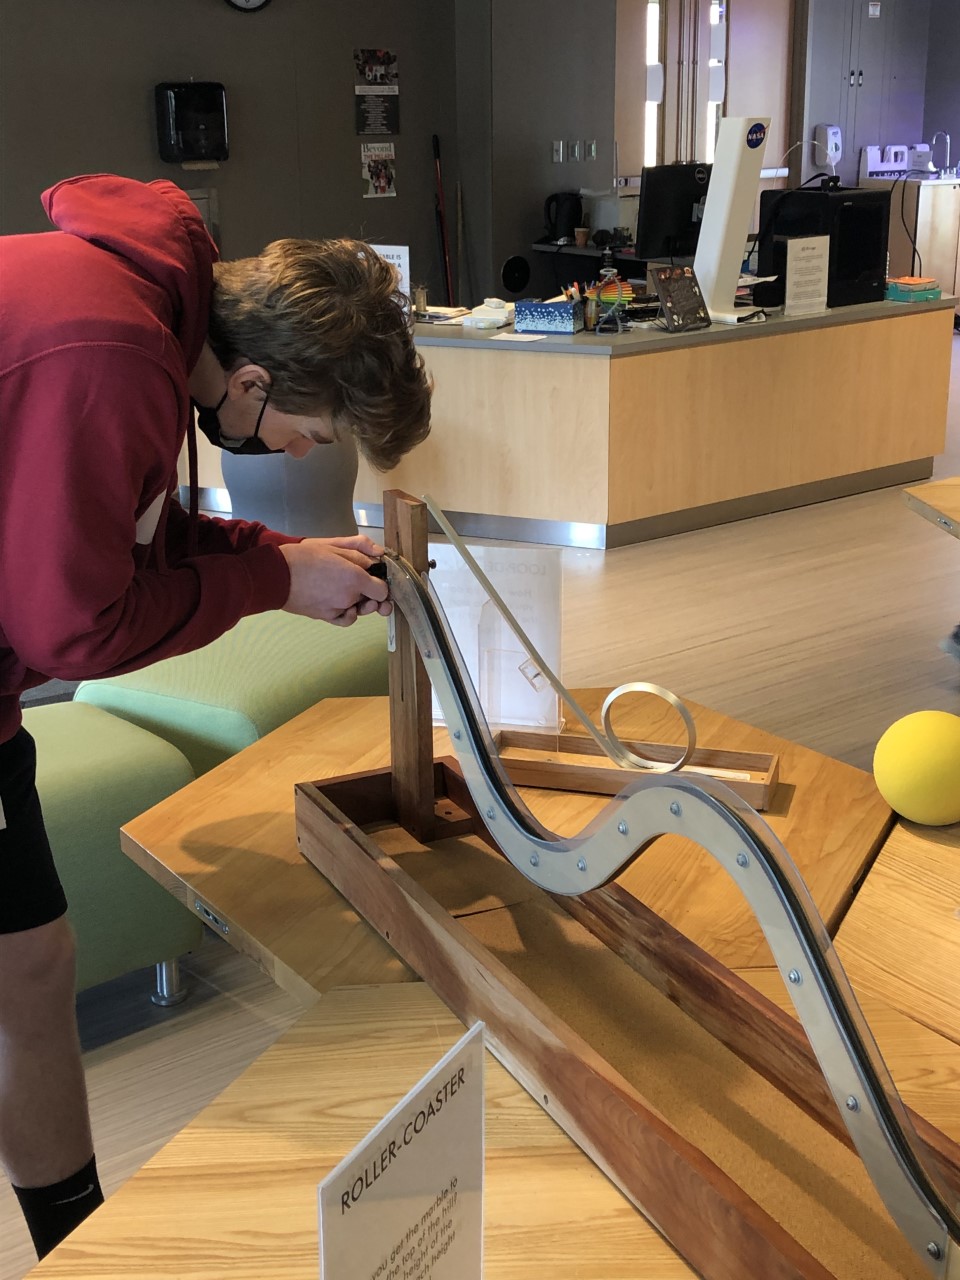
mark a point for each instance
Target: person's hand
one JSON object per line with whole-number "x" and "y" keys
{"x": 329, "y": 579}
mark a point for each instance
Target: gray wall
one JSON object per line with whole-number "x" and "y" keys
{"x": 530, "y": 71}
{"x": 76, "y": 96}
{"x": 553, "y": 64}
{"x": 942, "y": 102}
{"x": 474, "y": 20}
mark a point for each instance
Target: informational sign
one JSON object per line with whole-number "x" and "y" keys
{"x": 407, "y": 1204}
{"x": 512, "y": 689}
{"x": 376, "y": 91}
{"x": 808, "y": 259}
{"x": 378, "y": 168}
{"x": 398, "y": 255}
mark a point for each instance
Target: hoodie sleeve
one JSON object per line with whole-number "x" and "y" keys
{"x": 96, "y": 449}
{"x": 216, "y": 536}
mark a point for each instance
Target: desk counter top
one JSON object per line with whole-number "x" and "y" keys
{"x": 708, "y": 427}
{"x": 647, "y": 341}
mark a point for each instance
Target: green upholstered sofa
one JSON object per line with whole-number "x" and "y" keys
{"x": 95, "y": 773}
{"x": 124, "y": 743}
{"x": 268, "y": 668}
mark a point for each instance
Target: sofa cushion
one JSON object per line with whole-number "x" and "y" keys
{"x": 96, "y": 772}
{"x": 267, "y": 669}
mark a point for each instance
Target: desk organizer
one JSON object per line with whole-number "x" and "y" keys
{"x": 548, "y": 317}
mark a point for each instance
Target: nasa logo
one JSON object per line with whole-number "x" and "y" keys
{"x": 755, "y": 135}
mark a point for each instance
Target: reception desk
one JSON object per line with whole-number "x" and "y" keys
{"x": 600, "y": 441}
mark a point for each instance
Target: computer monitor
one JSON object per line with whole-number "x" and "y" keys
{"x": 671, "y": 206}
{"x": 857, "y": 223}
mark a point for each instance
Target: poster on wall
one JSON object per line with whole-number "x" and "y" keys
{"x": 378, "y": 167}
{"x": 376, "y": 88}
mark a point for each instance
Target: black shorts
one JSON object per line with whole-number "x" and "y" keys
{"x": 30, "y": 890}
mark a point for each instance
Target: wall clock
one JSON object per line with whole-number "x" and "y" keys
{"x": 248, "y": 6}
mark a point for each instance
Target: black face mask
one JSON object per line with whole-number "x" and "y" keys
{"x": 209, "y": 423}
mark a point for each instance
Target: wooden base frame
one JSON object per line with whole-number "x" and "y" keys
{"x": 706, "y": 1216}
{"x": 547, "y": 760}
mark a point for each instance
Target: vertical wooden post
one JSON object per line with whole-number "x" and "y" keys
{"x": 411, "y": 718}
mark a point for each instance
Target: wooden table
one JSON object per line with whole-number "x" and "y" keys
{"x": 228, "y": 841}
{"x": 938, "y": 501}
{"x": 234, "y": 1194}
{"x": 215, "y": 1201}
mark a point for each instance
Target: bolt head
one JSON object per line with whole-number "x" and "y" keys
{"x": 622, "y": 828}
{"x": 581, "y": 864}
{"x": 491, "y": 813}
{"x": 934, "y": 1251}
{"x": 795, "y": 976}
{"x": 675, "y": 809}
{"x": 853, "y": 1104}
{"x": 742, "y": 860}
{"x": 534, "y": 859}
{"x": 457, "y": 734}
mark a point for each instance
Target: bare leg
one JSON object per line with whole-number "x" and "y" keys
{"x": 44, "y": 1122}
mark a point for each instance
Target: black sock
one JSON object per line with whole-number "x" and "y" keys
{"x": 53, "y": 1212}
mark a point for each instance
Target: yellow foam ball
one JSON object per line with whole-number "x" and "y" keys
{"x": 916, "y": 766}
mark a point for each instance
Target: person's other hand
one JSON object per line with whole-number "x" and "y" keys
{"x": 329, "y": 579}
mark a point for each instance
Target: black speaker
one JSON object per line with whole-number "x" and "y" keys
{"x": 515, "y": 274}
{"x": 191, "y": 121}
{"x": 858, "y": 224}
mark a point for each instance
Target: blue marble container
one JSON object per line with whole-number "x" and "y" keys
{"x": 548, "y": 317}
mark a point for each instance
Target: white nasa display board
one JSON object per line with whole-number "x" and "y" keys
{"x": 529, "y": 581}
{"x": 728, "y": 214}
{"x": 407, "y": 1203}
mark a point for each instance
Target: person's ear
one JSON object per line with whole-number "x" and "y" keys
{"x": 246, "y": 378}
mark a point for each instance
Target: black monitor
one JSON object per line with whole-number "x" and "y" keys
{"x": 671, "y": 209}
{"x": 856, "y": 220}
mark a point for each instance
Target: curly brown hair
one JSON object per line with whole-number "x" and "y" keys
{"x": 328, "y": 322}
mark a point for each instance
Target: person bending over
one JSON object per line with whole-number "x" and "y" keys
{"x": 114, "y": 329}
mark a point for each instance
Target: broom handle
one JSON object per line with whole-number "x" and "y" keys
{"x": 442, "y": 223}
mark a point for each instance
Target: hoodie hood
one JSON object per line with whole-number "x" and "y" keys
{"x": 157, "y": 228}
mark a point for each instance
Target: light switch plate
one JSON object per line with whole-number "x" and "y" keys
{"x": 590, "y": 149}
{"x": 558, "y": 153}
{"x": 573, "y": 150}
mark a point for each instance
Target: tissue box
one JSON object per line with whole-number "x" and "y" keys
{"x": 548, "y": 317}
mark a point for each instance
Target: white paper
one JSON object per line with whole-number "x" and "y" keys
{"x": 808, "y": 259}
{"x": 518, "y": 337}
{"x": 407, "y": 1203}
{"x": 398, "y": 255}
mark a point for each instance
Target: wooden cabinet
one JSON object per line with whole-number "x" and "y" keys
{"x": 927, "y": 212}
{"x": 864, "y": 65}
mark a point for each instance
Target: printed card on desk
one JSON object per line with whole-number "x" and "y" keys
{"x": 808, "y": 261}
{"x": 407, "y": 1203}
{"x": 399, "y": 256}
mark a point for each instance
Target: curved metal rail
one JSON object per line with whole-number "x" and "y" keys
{"x": 725, "y": 826}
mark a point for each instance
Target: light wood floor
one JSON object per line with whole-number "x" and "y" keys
{"x": 820, "y": 624}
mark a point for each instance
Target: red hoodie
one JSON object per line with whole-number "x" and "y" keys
{"x": 101, "y": 323}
